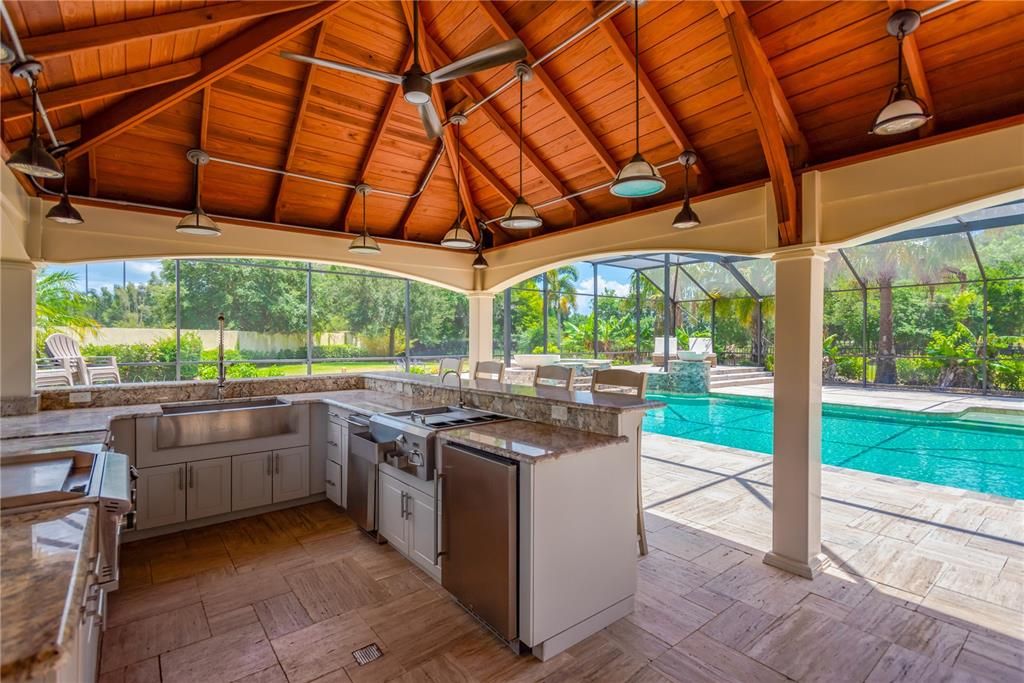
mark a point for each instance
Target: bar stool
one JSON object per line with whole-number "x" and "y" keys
{"x": 554, "y": 376}
{"x": 490, "y": 369}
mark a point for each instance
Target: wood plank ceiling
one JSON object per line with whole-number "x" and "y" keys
{"x": 134, "y": 84}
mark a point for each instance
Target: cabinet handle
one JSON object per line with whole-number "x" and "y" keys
{"x": 403, "y": 504}
{"x": 181, "y": 478}
{"x": 277, "y": 463}
{"x": 437, "y": 518}
{"x": 331, "y": 413}
{"x": 332, "y": 443}
{"x": 191, "y": 477}
{"x": 270, "y": 464}
{"x": 330, "y": 483}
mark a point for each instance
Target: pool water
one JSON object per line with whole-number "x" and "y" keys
{"x": 976, "y": 452}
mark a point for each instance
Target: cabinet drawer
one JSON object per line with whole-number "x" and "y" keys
{"x": 334, "y": 441}
{"x": 333, "y": 482}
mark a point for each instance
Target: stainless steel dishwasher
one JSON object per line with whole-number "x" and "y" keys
{"x": 478, "y": 542}
{"x": 364, "y": 455}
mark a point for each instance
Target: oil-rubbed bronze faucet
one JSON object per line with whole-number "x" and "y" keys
{"x": 462, "y": 403}
{"x": 221, "y": 372}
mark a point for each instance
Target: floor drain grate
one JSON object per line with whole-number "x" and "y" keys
{"x": 365, "y": 655}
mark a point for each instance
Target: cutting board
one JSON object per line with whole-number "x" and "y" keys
{"x": 29, "y": 483}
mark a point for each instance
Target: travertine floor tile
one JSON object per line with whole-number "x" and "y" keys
{"x": 225, "y": 593}
{"x": 220, "y": 659}
{"x": 878, "y": 561}
{"x": 281, "y": 615}
{"x": 142, "y": 601}
{"x": 971, "y": 613}
{"x": 146, "y": 671}
{"x": 323, "y": 647}
{"x": 936, "y": 639}
{"x": 899, "y": 665}
{"x": 699, "y": 658}
{"x": 739, "y": 626}
{"x": 229, "y": 621}
{"x": 331, "y": 589}
{"x": 138, "y": 640}
{"x": 1004, "y": 592}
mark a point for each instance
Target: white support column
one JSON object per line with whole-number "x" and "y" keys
{"x": 17, "y": 337}
{"x": 796, "y": 465}
{"x": 481, "y": 328}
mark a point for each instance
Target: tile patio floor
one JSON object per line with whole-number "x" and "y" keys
{"x": 927, "y": 587}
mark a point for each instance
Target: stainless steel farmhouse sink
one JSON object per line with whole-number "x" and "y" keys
{"x": 204, "y": 423}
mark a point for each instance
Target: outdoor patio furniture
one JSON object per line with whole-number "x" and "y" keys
{"x": 533, "y": 360}
{"x": 700, "y": 349}
{"x": 447, "y": 364}
{"x": 658, "y": 357}
{"x": 92, "y": 369}
{"x": 554, "y": 376}
{"x": 54, "y": 372}
{"x": 489, "y": 369}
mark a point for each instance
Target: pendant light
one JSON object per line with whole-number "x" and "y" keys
{"x": 197, "y": 222}
{"x": 687, "y": 217}
{"x": 903, "y": 112}
{"x": 62, "y": 211}
{"x": 364, "y": 243}
{"x": 33, "y": 159}
{"x": 480, "y": 262}
{"x": 457, "y": 236}
{"x": 521, "y": 215}
{"x": 638, "y": 178}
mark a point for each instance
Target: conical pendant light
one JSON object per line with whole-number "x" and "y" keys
{"x": 197, "y": 222}
{"x": 639, "y": 177}
{"x": 687, "y": 217}
{"x": 33, "y": 159}
{"x": 903, "y": 112}
{"x": 521, "y": 215}
{"x": 457, "y": 236}
{"x": 364, "y": 244}
{"x": 62, "y": 211}
{"x": 480, "y": 262}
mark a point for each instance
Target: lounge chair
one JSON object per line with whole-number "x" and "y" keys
{"x": 92, "y": 369}
{"x": 658, "y": 357}
{"x": 54, "y": 372}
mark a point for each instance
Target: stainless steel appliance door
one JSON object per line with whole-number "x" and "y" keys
{"x": 480, "y": 523}
{"x": 361, "y": 492}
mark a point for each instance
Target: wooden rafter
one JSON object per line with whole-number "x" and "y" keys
{"x": 394, "y": 99}
{"x": 63, "y": 98}
{"x": 653, "y": 97}
{"x": 795, "y": 140}
{"x": 217, "y": 63}
{"x": 915, "y": 69}
{"x": 488, "y": 175}
{"x": 293, "y": 142}
{"x": 53, "y": 45}
{"x": 509, "y": 133}
{"x": 403, "y": 223}
{"x": 755, "y": 82}
{"x": 506, "y": 32}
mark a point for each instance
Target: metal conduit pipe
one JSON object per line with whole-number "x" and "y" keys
{"x": 20, "y": 52}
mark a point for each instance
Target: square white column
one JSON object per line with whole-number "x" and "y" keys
{"x": 796, "y": 464}
{"x": 481, "y": 328}
{"x": 17, "y": 337}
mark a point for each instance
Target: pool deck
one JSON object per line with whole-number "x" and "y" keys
{"x": 927, "y": 581}
{"x": 896, "y": 399}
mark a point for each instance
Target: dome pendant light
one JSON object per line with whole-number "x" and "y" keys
{"x": 62, "y": 211}
{"x": 197, "y": 222}
{"x": 365, "y": 243}
{"x": 687, "y": 217}
{"x": 521, "y": 215}
{"x": 639, "y": 177}
{"x": 33, "y": 159}
{"x": 457, "y": 236}
{"x": 903, "y": 112}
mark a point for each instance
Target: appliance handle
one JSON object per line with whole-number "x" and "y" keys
{"x": 357, "y": 420}
{"x": 437, "y": 519}
{"x": 181, "y": 478}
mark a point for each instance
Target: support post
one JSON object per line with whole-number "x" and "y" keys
{"x": 481, "y": 328}
{"x": 309, "y": 318}
{"x": 408, "y": 323}
{"x": 666, "y": 313}
{"x": 17, "y": 338}
{"x": 544, "y": 306}
{"x": 796, "y": 462}
{"x": 636, "y": 314}
{"x": 506, "y": 331}
{"x": 595, "y": 309}
{"x": 177, "y": 320}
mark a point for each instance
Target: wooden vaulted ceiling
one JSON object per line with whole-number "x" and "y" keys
{"x": 758, "y": 89}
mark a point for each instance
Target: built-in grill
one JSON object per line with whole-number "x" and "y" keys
{"x": 414, "y": 434}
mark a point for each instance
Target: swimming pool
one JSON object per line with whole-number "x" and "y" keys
{"x": 965, "y": 452}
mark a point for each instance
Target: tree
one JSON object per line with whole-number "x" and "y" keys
{"x": 561, "y": 284}
{"x": 60, "y": 305}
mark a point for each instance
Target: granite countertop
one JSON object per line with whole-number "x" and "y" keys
{"x": 361, "y": 400}
{"x": 10, "y": 447}
{"x": 528, "y": 441}
{"x": 45, "y": 558}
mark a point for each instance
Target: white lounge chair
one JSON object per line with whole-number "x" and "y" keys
{"x": 92, "y": 369}
{"x": 658, "y": 357}
{"x": 54, "y": 372}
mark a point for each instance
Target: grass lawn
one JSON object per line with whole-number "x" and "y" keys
{"x": 328, "y": 368}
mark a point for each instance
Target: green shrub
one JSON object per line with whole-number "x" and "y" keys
{"x": 769, "y": 362}
{"x": 918, "y": 371}
{"x": 1006, "y": 374}
{"x": 160, "y": 351}
{"x": 849, "y": 367}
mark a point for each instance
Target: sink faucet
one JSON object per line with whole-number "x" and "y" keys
{"x": 221, "y": 372}
{"x": 462, "y": 403}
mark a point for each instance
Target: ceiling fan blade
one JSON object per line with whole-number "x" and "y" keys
{"x": 488, "y": 58}
{"x": 347, "y": 68}
{"x": 431, "y": 121}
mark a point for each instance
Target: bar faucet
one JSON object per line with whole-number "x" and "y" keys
{"x": 221, "y": 372}
{"x": 462, "y": 403}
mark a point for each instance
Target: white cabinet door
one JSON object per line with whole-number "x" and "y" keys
{"x": 332, "y": 480}
{"x": 291, "y": 473}
{"x": 209, "y": 488}
{"x": 161, "y": 496}
{"x": 422, "y": 534}
{"x": 334, "y": 442}
{"x": 252, "y": 480}
{"x": 391, "y": 512}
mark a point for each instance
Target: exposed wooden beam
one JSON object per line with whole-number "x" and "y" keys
{"x": 394, "y": 99}
{"x": 403, "y": 223}
{"x": 754, "y": 81}
{"x": 506, "y": 32}
{"x": 94, "y": 183}
{"x": 293, "y": 142}
{"x": 64, "y": 98}
{"x": 52, "y": 45}
{"x": 488, "y": 175}
{"x": 795, "y": 141}
{"x": 915, "y": 69}
{"x": 653, "y": 97}
{"x": 510, "y": 134}
{"x": 217, "y": 63}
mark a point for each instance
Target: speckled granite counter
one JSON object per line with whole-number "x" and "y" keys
{"x": 528, "y": 441}
{"x": 45, "y": 557}
{"x": 362, "y": 400}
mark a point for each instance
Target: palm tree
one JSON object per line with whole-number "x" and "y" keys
{"x": 561, "y": 285}
{"x": 60, "y": 305}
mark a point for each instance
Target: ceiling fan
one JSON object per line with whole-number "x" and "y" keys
{"x": 416, "y": 84}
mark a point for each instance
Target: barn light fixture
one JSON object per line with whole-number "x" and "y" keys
{"x": 457, "y": 236}
{"x": 521, "y": 215}
{"x": 33, "y": 159}
{"x": 687, "y": 217}
{"x": 197, "y": 222}
{"x": 903, "y": 112}
{"x": 62, "y": 211}
{"x": 480, "y": 262}
{"x": 639, "y": 177}
{"x": 364, "y": 243}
